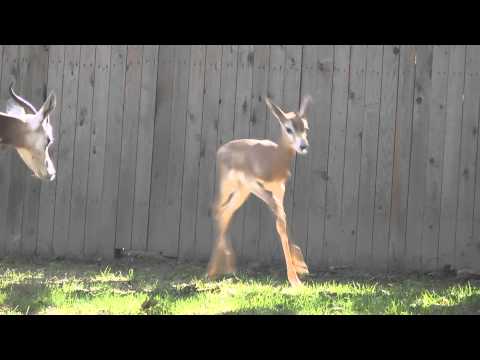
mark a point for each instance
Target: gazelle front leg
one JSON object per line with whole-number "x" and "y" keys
{"x": 274, "y": 200}
{"x": 295, "y": 252}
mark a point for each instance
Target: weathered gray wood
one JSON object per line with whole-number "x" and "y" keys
{"x": 416, "y": 195}
{"x": 451, "y": 155}
{"x": 46, "y": 213}
{"x": 18, "y": 170}
{"x": 366, "y": 196}
{"x": 206, "y": 174}
{"x": 270, "y": 248}
{"x": 353, "y": 153}
{"x": 399, "y": 171}
{"x": 86, "y": 81}
{"x": 93, "y": 220}
{"x": 243, "y": 105}
{"x": 317, "y": 79}
{"x": 473, "y": 247}
{"x": 161, "y": 142}
{"x": 37, "y": 73}
{"x": 303, "y": 178}
{"x": 336, "y": 155}
{"x": 126, "y": 184}
{"x": 226, "y": 114}
{"x": 434, "y": 164}
{"x": 113, "y": 144}
{"x": 401, "y": 157}
{"x": 193, "y": 152}
{"x": 257, "y": 131}
{"x": 171, "y": 217}
{"x": 228, "y": 88}
{"x": 291, "y": 102}
{"x": 466, "y": 253}
{"x": 386, "y": 134}
{"x": 146, "y": 128}
{"x": 65, "y": 151}
{"x": 9, "y": 53}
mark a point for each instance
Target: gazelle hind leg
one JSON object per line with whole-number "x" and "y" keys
{"x": 298, "y": 260}
{"x": 231, "y": 197}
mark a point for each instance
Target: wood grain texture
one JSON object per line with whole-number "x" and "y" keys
{"x": 145, "y": 140}
{"x": 93, "y": 219}
{"x": 128, "y": 159}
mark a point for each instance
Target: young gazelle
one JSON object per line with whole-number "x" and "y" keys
{"x": 30, "y": 133}
{"x": 259, "y": 167}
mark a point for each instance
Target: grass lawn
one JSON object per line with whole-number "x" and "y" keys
{"x": 146, "y": 287}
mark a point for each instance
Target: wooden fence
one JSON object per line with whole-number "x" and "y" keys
{"x": 390, "y": 181}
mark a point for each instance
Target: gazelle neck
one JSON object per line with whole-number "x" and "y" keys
{"x": 284, "y": 155}
{"x": 284, "y": 147}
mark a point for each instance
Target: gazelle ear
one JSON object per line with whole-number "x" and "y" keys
{"x": 49, "y": 105}
{"x": 276, "y": 111}
{"x": 307, "y": 99}
{"x": 305, "y": 124}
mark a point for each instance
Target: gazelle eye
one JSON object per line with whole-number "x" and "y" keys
{"x": 290, "y": 131}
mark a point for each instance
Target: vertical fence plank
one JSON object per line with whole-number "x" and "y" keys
{"x": 368, "y": 162}
{"x": 317, "y": 79}
{"x": 37, "y": 72}
{"x": 113, "y": 144}
{"x": 353, "y": 152}
{"x": 171, "y": 216}
{"x": 383, "y": 182}
{"x": 466, "y": 249}
{"x": 303, "y": 177}
{"x": 128, "y": 158}
{"x": 81, "y": 151}
{"x": 226, "y": 112}
{"x": 451, "y": 155}
{"x": 193, "y": 152}
{"x": 291, "y": 102}
{"x": 336, "y": 154}
{"x": 161, "y": 141}
{"x": 257, "y": 131}
{"x": 421, "y": 114}
{"x": 473, "y": 247}
{"x": 46, "y": 213}
{"x": 93, "y": 219}
{"x": 18, "y": 170}
{"x": 270, "y": 243}
{"x": 65, "y": 151}
{"x": 145, "y": 140}
{"x": 206, "y": 174}
{"x": 242, "y": 118}
{"x": 434, "y": 165}
{"x": 9, "y": 53}
{"x": 401, "y": 157}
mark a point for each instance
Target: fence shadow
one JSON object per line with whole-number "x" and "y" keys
{"x": 28, "y": 298}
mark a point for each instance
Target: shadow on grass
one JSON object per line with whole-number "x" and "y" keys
{"x": 405, "y": 295}
{"x": 276, "y": 310}
{"x": 469, "y": 306}
{"x": 28, "y": 297}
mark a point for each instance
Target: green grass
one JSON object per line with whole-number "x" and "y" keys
{"x": 146, "y": 288}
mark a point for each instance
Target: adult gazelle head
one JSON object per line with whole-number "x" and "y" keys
{"x": 29, "y": 131}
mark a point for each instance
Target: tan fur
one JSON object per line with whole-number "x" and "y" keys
{"x": 30, "y": 133}
{"x": 259, "y": 167}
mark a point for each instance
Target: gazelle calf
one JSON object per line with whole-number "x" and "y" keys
{"x": 30, "y": 133}
{"x": 259, "y": 167}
